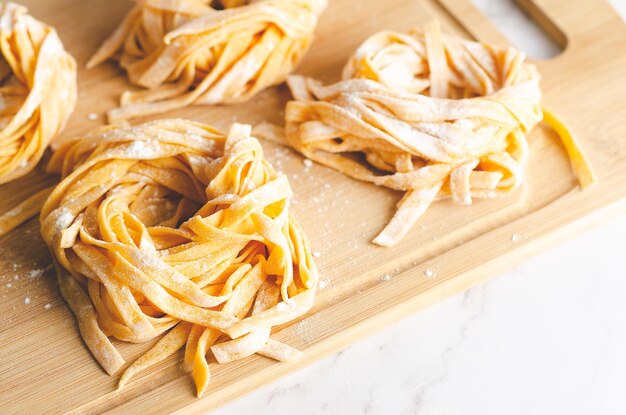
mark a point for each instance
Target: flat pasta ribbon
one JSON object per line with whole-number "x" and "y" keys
{"x": 432, "y": 115}
{"x": 172, "y": 227}
{"x": 37, "y": 90}
{"x": 187, "y": 52}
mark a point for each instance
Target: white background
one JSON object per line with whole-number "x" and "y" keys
{"x": 548, "y": 337}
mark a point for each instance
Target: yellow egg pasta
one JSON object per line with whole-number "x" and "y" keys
{"x": 432, "y": 115}
{"x": 37, "y": 90}
{"x": 201, "y": 52}
{"x": 173, "y": 227}
{"x": 23, "y": 211}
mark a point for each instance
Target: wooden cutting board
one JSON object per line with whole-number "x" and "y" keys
{"x": 46, "y": 368}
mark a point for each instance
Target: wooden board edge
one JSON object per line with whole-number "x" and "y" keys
{"x": 401, "y": 310}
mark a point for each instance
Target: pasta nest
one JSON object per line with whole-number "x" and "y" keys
{"x": 429, "y": 114}
{"x": 187, "y": 52}
{"x": 37, "y": 90}
{"x": 173, "y": 225}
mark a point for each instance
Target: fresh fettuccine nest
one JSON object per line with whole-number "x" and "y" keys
{"x": 174, "y": 227}
{"x": 201, "y": 52}
{"x": 425, "y": 113}
{"x": 37, "y": 90}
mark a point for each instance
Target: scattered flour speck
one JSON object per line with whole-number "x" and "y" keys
{"x": 139, "y": 150}
{"x": 307, "y": 163}
{"x": 285, "y": 305}
{"x": 92, "y": 116}
{"x": 65, "y": 219}
{"x": 385, "y": 278}
{"x": 47, "y": 306}
{"x": 27, "y": 300}
{"x": 316, "y": 254}
{"x": 516, "y": 237}
{"x": 429, "y": 273}
{"x": 303, "y": 330}
{"x": 36, "y": 273}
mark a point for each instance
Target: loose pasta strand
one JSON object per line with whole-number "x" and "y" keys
{"x": 24, "y": 211}
{"x": 580, "y": 164}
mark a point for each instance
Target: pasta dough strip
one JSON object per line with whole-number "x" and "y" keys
{"x": 24, "y": 211}
{"x": 581, "y": 166}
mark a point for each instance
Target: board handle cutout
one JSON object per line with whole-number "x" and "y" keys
{"x": 526, "y": 26}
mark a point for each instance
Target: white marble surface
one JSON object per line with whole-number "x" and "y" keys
{"x": 548, "y": 337}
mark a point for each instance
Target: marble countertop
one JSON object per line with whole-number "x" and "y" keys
{"x": 547, "y": 337}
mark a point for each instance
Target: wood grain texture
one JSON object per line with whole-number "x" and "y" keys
{"x": 46, "y": 368}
